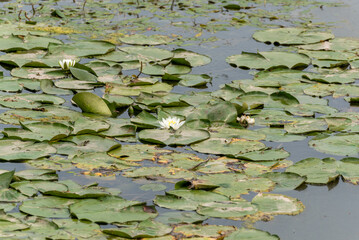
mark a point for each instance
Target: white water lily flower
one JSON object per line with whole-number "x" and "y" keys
{"x": 171, "y": 122}
{"x": 67, "y": 63}
{"x": 246, "y": 119}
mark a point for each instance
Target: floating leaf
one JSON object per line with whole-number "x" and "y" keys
{"x": 140, "y": 39}
{"x": 145, "y": 229}
{"x": 14, "y": 150}
{"x": 214, "y": 231}
{"x": 51, "y": 207}
{"x": 225, "y": 146}
{"x": 340, "y": 144}
{"x": 285, "y": 180}
{"x": 82, "y": 48}
{"x": 291, "y": 36}
{"x": 234, "y": 185}
{"x": 180, "y": 217}
{"x": 189, "y": 58}
{"x": 91, "y": 103}
{"x": 316, "y": 170}
{"x": 265, "y": 60}
{"x": 254, "y": 234}
{"x": 138, "y": 152}
{"x": 168, "y": 137}
{"x": 111, "y": 210}
{"x": 275, "y": 204}
{"x": 230, "y": 209}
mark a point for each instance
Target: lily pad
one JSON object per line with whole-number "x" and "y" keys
{"x": 203, "y": 231}
{"x": 317, "y": 171}
{"x": 53, "y": 207}
{"x": 250, "y": 234}
{"x": 145, "y": 229}
{"x": 340, "y": 144}
{"x": 230, "y": 209}
{"x": 91, "y": 103}
{"x": 291, "y": 36}
{"x": 225, "y": 146}
{"x": 277, "y": 204}
{"x": 189, "y": 58}
{"x": 168, "y": 137}
{"x": 184, "y": 199}
{"x": 82, "y": 48}
{"x": 112, "y": 210}
{"x": 265, "y": 60}
{"x": 140, "y": 39}
{"x": 137, "y": 152}
{"x": 29, "y": 100}
{"x": 180, "y": 217}
{"x": 15, "y": 150}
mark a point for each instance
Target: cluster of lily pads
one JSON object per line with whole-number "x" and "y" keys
{"x": 189, "y": 21}
{"x": 89, "y": 115}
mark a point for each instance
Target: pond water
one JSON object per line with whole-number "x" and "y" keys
{"x": 330, "y": 210}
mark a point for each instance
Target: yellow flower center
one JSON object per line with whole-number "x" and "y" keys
{"x": 171, "y": 122}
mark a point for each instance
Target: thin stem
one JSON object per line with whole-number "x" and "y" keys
{"x": 140, "y": 70}
{"x": 172, "y": 5}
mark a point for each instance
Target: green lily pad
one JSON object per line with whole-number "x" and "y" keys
{"x": 340, "y": 144}
{"x": 77, "y": 145}
{"x": 38, "y": 73}
{"x": 316, "y": 170}
{"x": 285, "y": 180}
{"x": 123, "y": 90}
{"x": 189, "y": 58}
{"x": 225, "y": 146}
{"x": 6, "y": 178}
{"x": 29, "y": 42}
{"x": 291, "y": 36}
{"x": 154, "y": 187}
{"x": 306, "y": 125}
{"x": 39, "y": 131}
{"x": 140, "y": 39}
{"x": 348, "y": 168}
{"x": 228, "y": 132}
{"x": 180, "y": 217}
{"x": 159, "y": 172}
{"x": 111, "y": 210}
{"x": 29, "y": 100}
{"x": 277, "y": 204}
{"x": 91, "y": 103}
{"x": 264, "y": 155}
{"x": 265, "y": 60}
{"x": 230, "y": 209}
{"x": 203, "y": 231}
{"x": 145, "y": 229}
{"x": 194, "y": 80}
{"x": 168, "y": 137}
{"x": 15, "y": 150}
{"x": 250, "y": 234}
{"x": 101, "y": 163}
{"x": 10, "y": 223}
{"x": 184, "y": 199}
{"x": 74, "y": 190}
{"x": 48, "y": 87}
{"x": 36, "y": 174}
{"x": 146, "y": 54}
{"x": 171, "y": 69}
{"x": 31, "y": 188}
{"x": 82, "y": 48}
{"x": 52, "y": 207}
{"x": 234, "y": 185}
{"x": 137, "y": 153}
{"x": 279, "y": 135}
